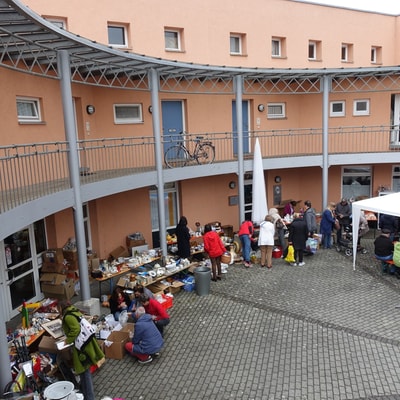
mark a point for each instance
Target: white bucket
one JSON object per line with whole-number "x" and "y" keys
{"x": 60, "y": 390}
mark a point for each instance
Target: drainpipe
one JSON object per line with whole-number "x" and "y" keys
{"x": 239, "y": 123}
{"x": 326, "y": 86}
{"x": 155, "y": 103}
{"x": 73, "y": 162}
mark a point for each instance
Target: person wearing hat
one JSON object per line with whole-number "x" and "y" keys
{"x": 384, "y": 248}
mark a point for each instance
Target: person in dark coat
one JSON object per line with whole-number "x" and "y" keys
{"x": 298, "y": 234}
{"x": 183, "y": 238}
{"x": 343, "y": 214}
{"x": 327, "y": 225}
{"x": 147, "y": 340}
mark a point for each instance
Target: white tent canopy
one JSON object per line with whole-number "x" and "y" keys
{"x": 388, "y": 204}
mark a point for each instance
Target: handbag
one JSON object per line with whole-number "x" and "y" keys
{"x": 312, "y": 245}
{"x": 337, "y": 224}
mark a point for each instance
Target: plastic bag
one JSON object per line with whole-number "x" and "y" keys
{"x": 290, "y": 254}
{"x": 312, "y": 245}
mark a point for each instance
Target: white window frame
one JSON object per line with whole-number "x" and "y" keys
{"x": 312, "y": 44}
{"x": 128, "y": 120}
{"x": 344, "y": 54}
{"x": 396, "y": 178}
{"x": 356, "y": 103}
{"x": 276, "y": 44}
{"x": 374, "y": 55}
{"x": 177, "y": 39}
{"x": 272, "y": 107}
{"x": 33, "y": 105}
{"x": 59, "y": 22}
{"x": 125, "y": 36}
{"x": 237, "y": 39}
{"x": 334, "y": 113}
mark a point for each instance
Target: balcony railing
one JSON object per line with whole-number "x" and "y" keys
{"x": 31, "y": 171}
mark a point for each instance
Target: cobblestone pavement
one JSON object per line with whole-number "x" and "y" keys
{"x": 321, "y": 331}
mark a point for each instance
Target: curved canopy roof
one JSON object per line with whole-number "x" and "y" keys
{"x": 30, "y": 43}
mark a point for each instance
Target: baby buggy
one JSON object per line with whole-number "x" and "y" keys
{"x": 345, "y": 243}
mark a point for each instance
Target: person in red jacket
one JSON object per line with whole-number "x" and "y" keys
{"x": 156, "y": 310}
{"x": 215, "y": 248}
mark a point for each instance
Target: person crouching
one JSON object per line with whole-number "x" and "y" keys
{"x": 147, "y": 340}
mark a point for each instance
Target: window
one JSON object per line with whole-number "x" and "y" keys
{"x": 128, "y": 113}
{"x": 173, "y": 39}
{"x": 376, "y": 55}
{"x": 60, "y": 22}
{"x": 396, "y": 178}
{"x": 356, "y": 181}
{"x": 361, "y": 107}
{"x": 276, "y": 110}
{"x": 28, "y": 110}
{"x": 237, "y": 44}
{"x": 337, "y": 109}
{"x": 314, "y": 50}
{"x": 346, "y": 52}
{"x": 278, "y": 47}
{"x": 117, "y": 36}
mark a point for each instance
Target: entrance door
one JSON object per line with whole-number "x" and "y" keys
{"x": 172, "y": 122}
{"x": 20, "y": 274}
{"x": 395, "y": 122}
{"x": 245, "y": 127}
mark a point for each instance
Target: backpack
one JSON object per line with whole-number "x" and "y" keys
{"x": 86, "y": 334}
{"x": 396, "y": 254}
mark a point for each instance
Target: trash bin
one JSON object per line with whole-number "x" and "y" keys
{"x": 202, "y": 279}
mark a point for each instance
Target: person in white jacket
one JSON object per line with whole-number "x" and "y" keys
{"x": 266, "y": 241}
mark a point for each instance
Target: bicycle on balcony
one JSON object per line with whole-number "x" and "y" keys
{"x": 179, "y": 155}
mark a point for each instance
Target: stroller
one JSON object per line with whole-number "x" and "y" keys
{"x": 345, "y": 243}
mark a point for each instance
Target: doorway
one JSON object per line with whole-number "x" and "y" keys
{"x": 172, "y": 122}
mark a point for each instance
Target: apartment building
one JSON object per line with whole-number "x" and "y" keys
{"x": 317, "y": 86}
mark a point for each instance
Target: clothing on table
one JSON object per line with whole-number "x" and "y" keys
{"x": 289, "y": 208}
{"x": 245, "y": 233}
{"x": 298, "y": 234}
{"x": 146, "y": 339}
{"x": 82, "y": 359}
{"x": 266, "y": 242}
{"x": 215, "y": 248}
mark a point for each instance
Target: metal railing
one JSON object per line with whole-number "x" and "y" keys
{"x": 31, "y": 171}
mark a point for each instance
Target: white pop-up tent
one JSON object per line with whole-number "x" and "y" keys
{"x": 388, "y": 204}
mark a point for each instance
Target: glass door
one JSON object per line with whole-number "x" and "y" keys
{"x": 21, "y": 261}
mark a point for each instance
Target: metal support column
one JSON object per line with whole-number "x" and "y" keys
{"x": 73, "y": 162}
{"x": 155, "y": 103}
{"x": 239, "y": 123}
{"x": 326, "y": 85}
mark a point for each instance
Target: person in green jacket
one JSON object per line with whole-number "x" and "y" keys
{"x": 82, "y": 360}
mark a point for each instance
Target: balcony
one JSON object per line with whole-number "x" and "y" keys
{"x": 32, "y": 171}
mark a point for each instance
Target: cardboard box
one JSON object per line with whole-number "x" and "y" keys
{"x": 89, "y": 307}
{"x": 48, "y": 345}
{"x": 57, "y": 286}
{"x": 54, "y": 268}
{"x": 70, "y": 255}
{"x": 174, "y": 287}
{"x": 134, "y": 242}
{"x": 53, "y": 256}
{"x": 114, "y": 346}
{"x": 120, "y": 251}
